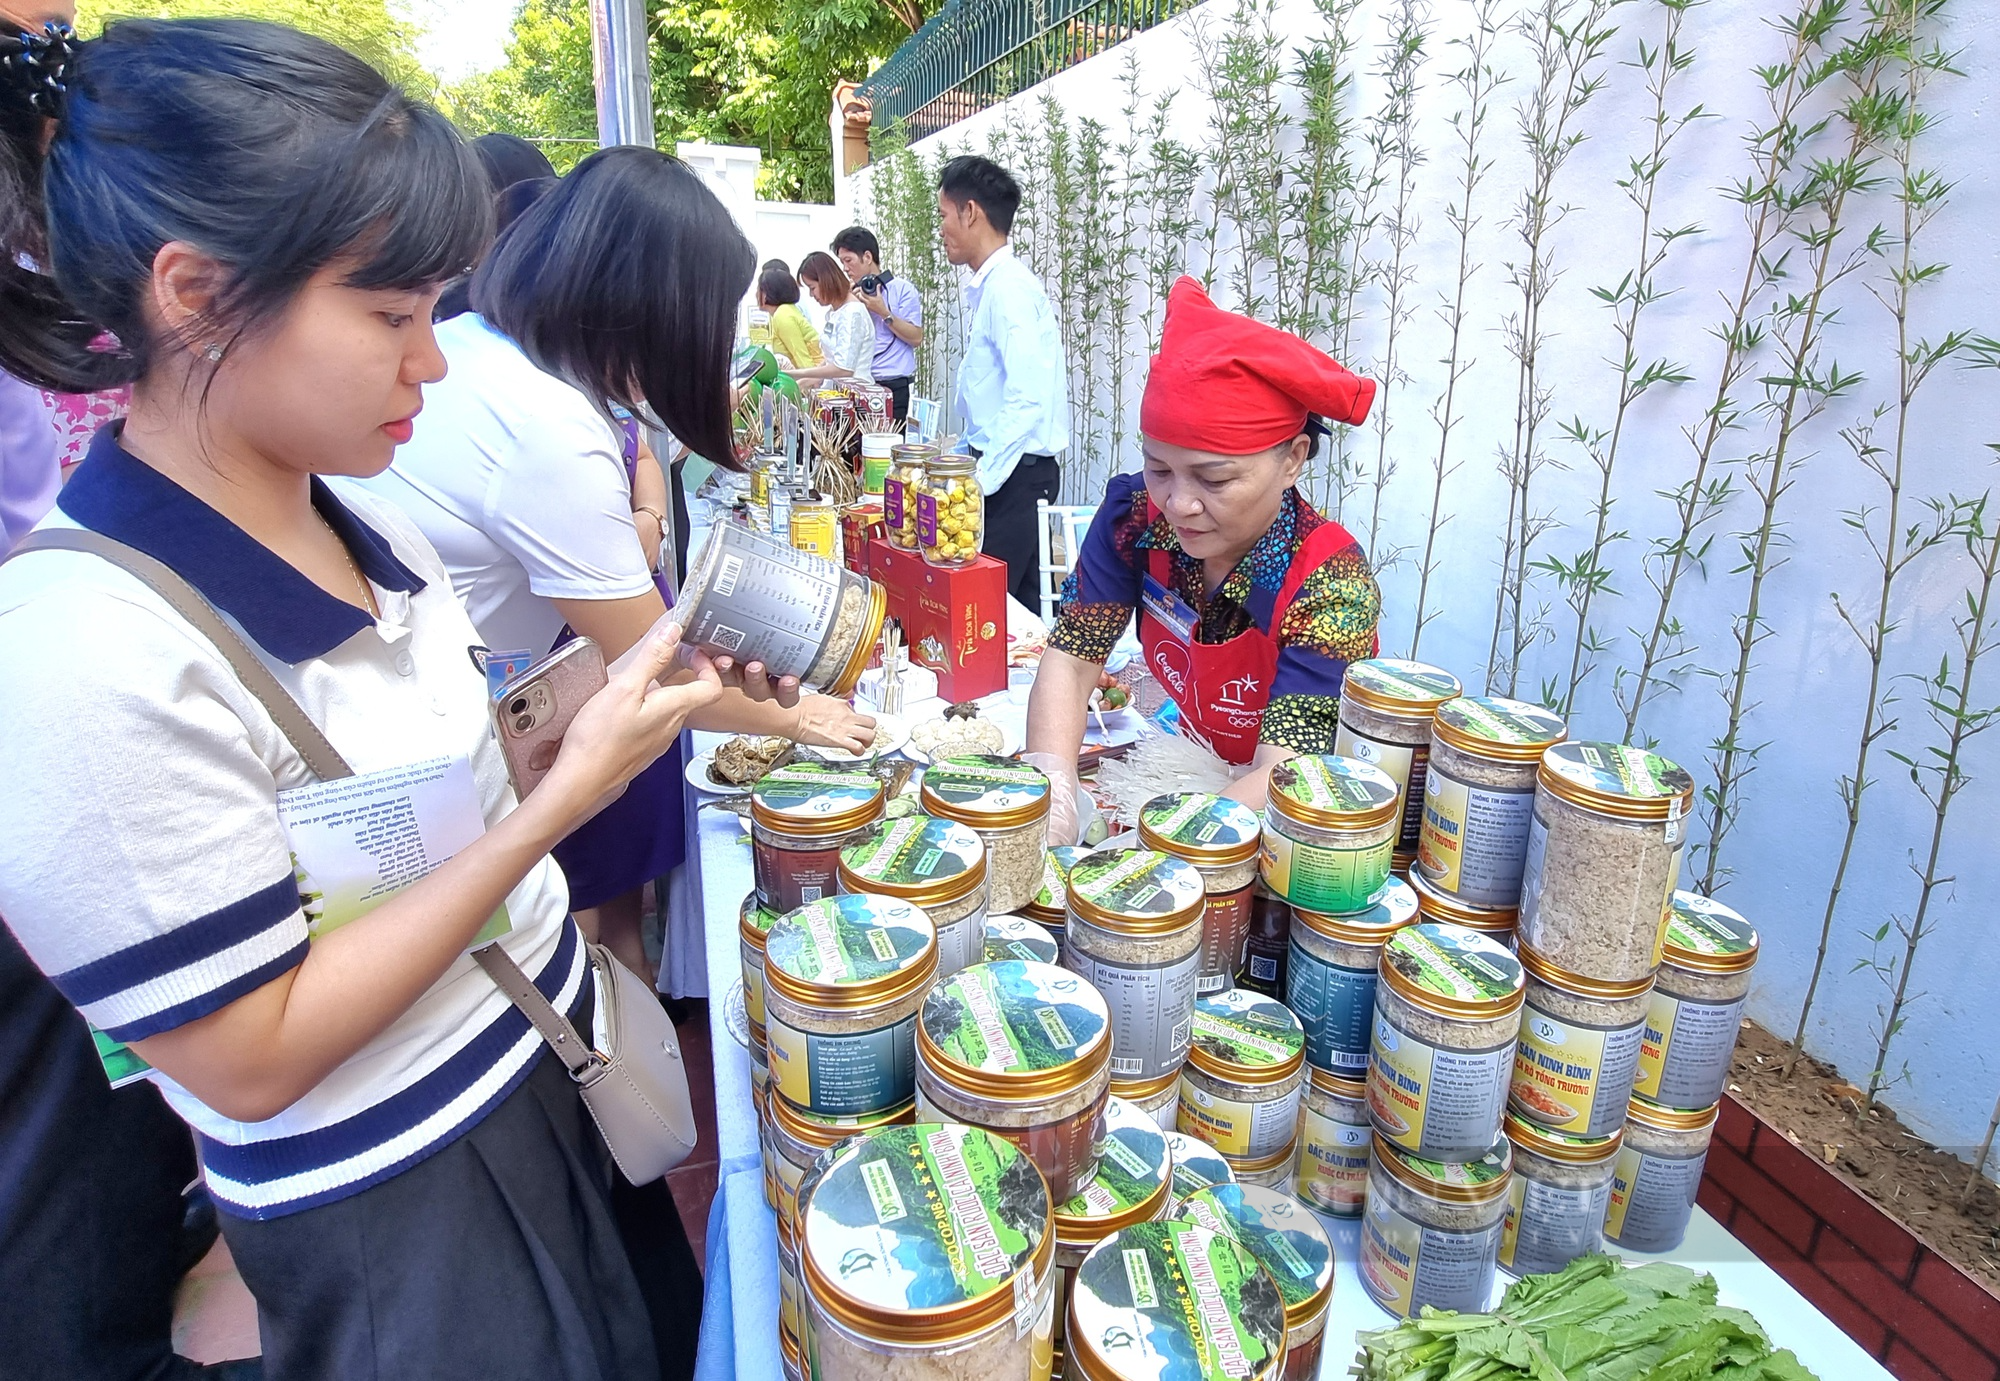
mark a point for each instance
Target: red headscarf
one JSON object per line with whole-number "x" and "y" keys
{"x": 1227, "y": 384}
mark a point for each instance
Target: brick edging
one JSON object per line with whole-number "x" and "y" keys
{"x": 1915, "y": 1312}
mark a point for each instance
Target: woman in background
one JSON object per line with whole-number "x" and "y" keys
{"x": 849, "y": 337}
{"x": 792, "y": 336}
{"x": 519, "y": 173}
{"x": 617, "y": 290}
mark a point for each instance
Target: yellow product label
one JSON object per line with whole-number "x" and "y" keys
{"x": 1333, "y": 1164}
{"x": 1406, "y": 1266}
{"x": 753, "y": 993}
{"x": 1236, "y": 1128}
{"x": 1684, "y": 1053}
{"x": 848, "y": 1074}
{"x": 1510, "y": 1227}
{"x": 1318, "y": 877}
{"x": 1474, "y": 840}
{"x": 791, "y": 1307}
{"x": 816, "y": 531}
{"x": 1393, "y": 758}
{"x": 1572, "y": 1077}
{"x": 1437, "y": 1102}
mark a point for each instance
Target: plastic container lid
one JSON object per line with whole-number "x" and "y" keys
{"x": 1472, "y": 1182}
{"x": 1014, "y": 1029}
{"x": 850, "y": 951}
{"x": 1203, "y": 829}
{"x": 879, "y": 445}
{"x": 755, "y": 920}
{"x": 1554, "y": 1145}
{"x": 814, "y": 798}
{"x": 1392, "y": 907}
{"x": 917, "y": 858}
{"x": 1154, "y": 1297}
{"x": 1136, "y": 891}
{"x": 1619, "y": 780}
{"x": 1246, "y": 1038}
{"x": 1051, "y": 903}
{"x": 1436, "y": 906}
{"x": 1134, "y": 1172}
{"x": 1394, "y": 686}
{"x": 1334, "y": 793}
{"x": 1011, "y": 937}
{"x": 985, "y": 791}
{"x": 1493, "y": 727}
{"x": 1281, "y": 1233}
{"x": 1706, "y": 936}
{"x": 1197, "y": 1165}
{"x": 1451, "y": 971}
{"x": 920, "y": 1234}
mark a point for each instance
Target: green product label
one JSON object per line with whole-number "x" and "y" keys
{"x": 1137, "y": 882}
{"x": 1454, "y": 962}
{"x": 1132, "y": 1163}
{"x": 914, "y": 850}
{"x": 1618, "y": 769}
{"x": 760, "y": 916}
{"x": 1318, "y": 877}
{"x": 1495, "y": 1164}
{"x": 1502, "y": 721}
{"x": 1197, "y": 1165}
{"x": 1054, "y": 892}
{"x": 985, "y": 781}
{"x": 926, "y": 1216}
{"x": 1172, "y": 1301}
{"x": 1199, "y": 820}
{"x": 1012, "y": 1015}
{"x": 1699, "y": 925}
{"x": 1246, "y": 1028}
{"x": 1285, "y": 1238}
{"x": 1010, "y": 937}
{"x": 854, "y": 938}
{"x": 808, "y": 790}
{"x": 1345, "y": 785}
{"x": 1396, "y": 679}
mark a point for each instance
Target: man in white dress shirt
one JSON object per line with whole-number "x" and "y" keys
{"x": 1013, "y": 383}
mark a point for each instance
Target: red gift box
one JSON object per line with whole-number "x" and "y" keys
{"x": 954, "y": 621}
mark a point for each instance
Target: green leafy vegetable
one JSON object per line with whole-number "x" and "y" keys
{"x": 1595, "y": 1320}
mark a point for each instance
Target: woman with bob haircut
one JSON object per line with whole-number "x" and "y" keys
{"x": 849, "y": 337}
{"x": 616, "y": 293}
{"x": 407, "y": 1179}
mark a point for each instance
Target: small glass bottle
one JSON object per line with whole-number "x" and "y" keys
{"x": 951, "y": 513}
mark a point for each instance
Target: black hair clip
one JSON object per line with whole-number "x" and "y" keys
{"x": 38, "y": 66}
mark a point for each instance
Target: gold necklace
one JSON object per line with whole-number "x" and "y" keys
{"x": 353, "y": 567}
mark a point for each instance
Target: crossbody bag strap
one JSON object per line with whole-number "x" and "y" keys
{"x": 292, "y": 721}
{"x": 555, "y": 1028}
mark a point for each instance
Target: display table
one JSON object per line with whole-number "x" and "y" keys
{"x": 739, "y": 1332}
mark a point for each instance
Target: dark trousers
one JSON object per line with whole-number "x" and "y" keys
{"x": 899, "y": 396}
{"x": 1011, "y": 516}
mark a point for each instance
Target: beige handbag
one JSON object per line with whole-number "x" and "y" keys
{"x": 636, "y": 1090}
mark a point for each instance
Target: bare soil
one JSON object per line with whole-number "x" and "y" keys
{"x": 1917, "y": 1184}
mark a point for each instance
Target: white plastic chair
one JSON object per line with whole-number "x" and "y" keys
{"x": 1058, "y": 526}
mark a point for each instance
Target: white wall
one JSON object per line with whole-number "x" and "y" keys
{"x": 779, "y": 229}
{"x": 1810, "y": 676}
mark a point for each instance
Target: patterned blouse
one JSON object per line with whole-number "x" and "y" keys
{"x": 1330, "y": 623}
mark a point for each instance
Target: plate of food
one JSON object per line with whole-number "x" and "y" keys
{"x": 891, "y": 733}
{"x": 731, "y": 766}
{"x": 960, "y": 729}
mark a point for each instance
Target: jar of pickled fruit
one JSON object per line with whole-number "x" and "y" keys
{"x": 951, "y": 512}
{"x": 904, "y": 482}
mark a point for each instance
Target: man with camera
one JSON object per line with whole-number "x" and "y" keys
{"x": 898, "y": 311}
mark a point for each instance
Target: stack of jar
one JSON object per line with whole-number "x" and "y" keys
{"x": 1133, "y": 1183}
{"x": 1240, "y": 1087}
{"x": 1134, "y": 933}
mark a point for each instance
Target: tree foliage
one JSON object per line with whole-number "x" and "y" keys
{"x": 363, "y": 27}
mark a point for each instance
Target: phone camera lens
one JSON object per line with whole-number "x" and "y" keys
{"x": 519, "y": 704}
{"x": 524, "y": 723}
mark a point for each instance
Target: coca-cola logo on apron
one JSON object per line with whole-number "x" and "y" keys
{"x": 1170, "y": 664}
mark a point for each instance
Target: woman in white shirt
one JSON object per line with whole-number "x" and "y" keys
{"x": 848, "y": 338}
{"x": 407, "y": 1180}
{"x": 618, "y": 288}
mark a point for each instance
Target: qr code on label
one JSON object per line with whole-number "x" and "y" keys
{"x": 727, "y": 638}
{"x": 1180, "y": 1036}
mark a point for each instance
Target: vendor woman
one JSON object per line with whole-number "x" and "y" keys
{"x": 1250, "y": 602}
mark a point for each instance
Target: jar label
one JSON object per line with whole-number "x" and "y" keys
{"x": 1136, "y": 882}
{"x": 913, "y": 851}
{"x": 1684, "y": 1055}
{"x": 1200, "y": 821}
{"x": 1437, "y": 1101}
{"x": 1152, "y": 1010}
{"x": 1405, "y": 1265}
{"x": 892, "y": 501}
{"x": 1012, "y": 1016}
{"x": 1547, "y": 1227}
{"x": 1245, "y": 1028}
{"x": 1703, "y": 926}
{"x": 1333, "y": 1163}
{"x": 761, "y": 600}
{"x": 753, "y": 987}
{"x": 1235, "y": 1127}
{"x": 790, "y": 878}
{"x": 985, "y": 782}
{"x": 1336, "y": 1005}
{"x": 845, "y": 1074}
{"x": 1406, "y": 764}
{"x": 1178, "y": 1301}
{"x": 1334, "y": 784}
{"x": 849, "y": 938}
{"x": 1317, "y": 877}
{"x": 1225, "y": 923}
{"x": 1011, "y": 937}
{"x": 1618, "y": 769}
{"x": 1474, "y": 840}
{"x": 1652, "y": 1198}
{"x": 1572, "y": 1077}
{"x": 927, "y": 518}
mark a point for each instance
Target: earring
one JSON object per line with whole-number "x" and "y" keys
{"x": 213, "y": 354}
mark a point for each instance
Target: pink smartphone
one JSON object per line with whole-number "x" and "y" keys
{"x": 534, "y": 710}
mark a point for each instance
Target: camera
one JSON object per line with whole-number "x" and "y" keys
{"x": 873, "y": 283}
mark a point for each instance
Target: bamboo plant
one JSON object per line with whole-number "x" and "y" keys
{"x": 1893, "y": 545}
{"x": 1568, "y": 39}
{"x": 1322, "y": 175}
{"x": 1241, "y": 73}
{"x": 1119, "y": 295}
{"x": 1478, "y": 79}
{"x": 1775, "y": 147}
{"x": 1803, "y": 383}
{"x": 1590, "y": 572}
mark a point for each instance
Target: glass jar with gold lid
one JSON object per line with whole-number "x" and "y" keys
{"x": 1240, "y": 1086}
{"x": 1386, "y": 705}
{"x": 1697, "y": 1006}
{"x": 1135, "y": 933}
{"x": 1449, "y": 1211}
{"x": 1604, "y": 858}
{"x": 1659, "y": 1169}
{"x": 1220, "y": 837}
{"x": 1330, "y": 826}
{"x": 939, "y": 865}
{"x": 1479, "y": 796}
{"x": 1290, "y": 1245}
{"x": 951, "y": 512}
{"x": 900, "y": 488}
{"x": 1557, "y": 1201}
{"x": 1007, "y": 802}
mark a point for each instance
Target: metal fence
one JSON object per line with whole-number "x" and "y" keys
{"x": 976, "y": 53}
